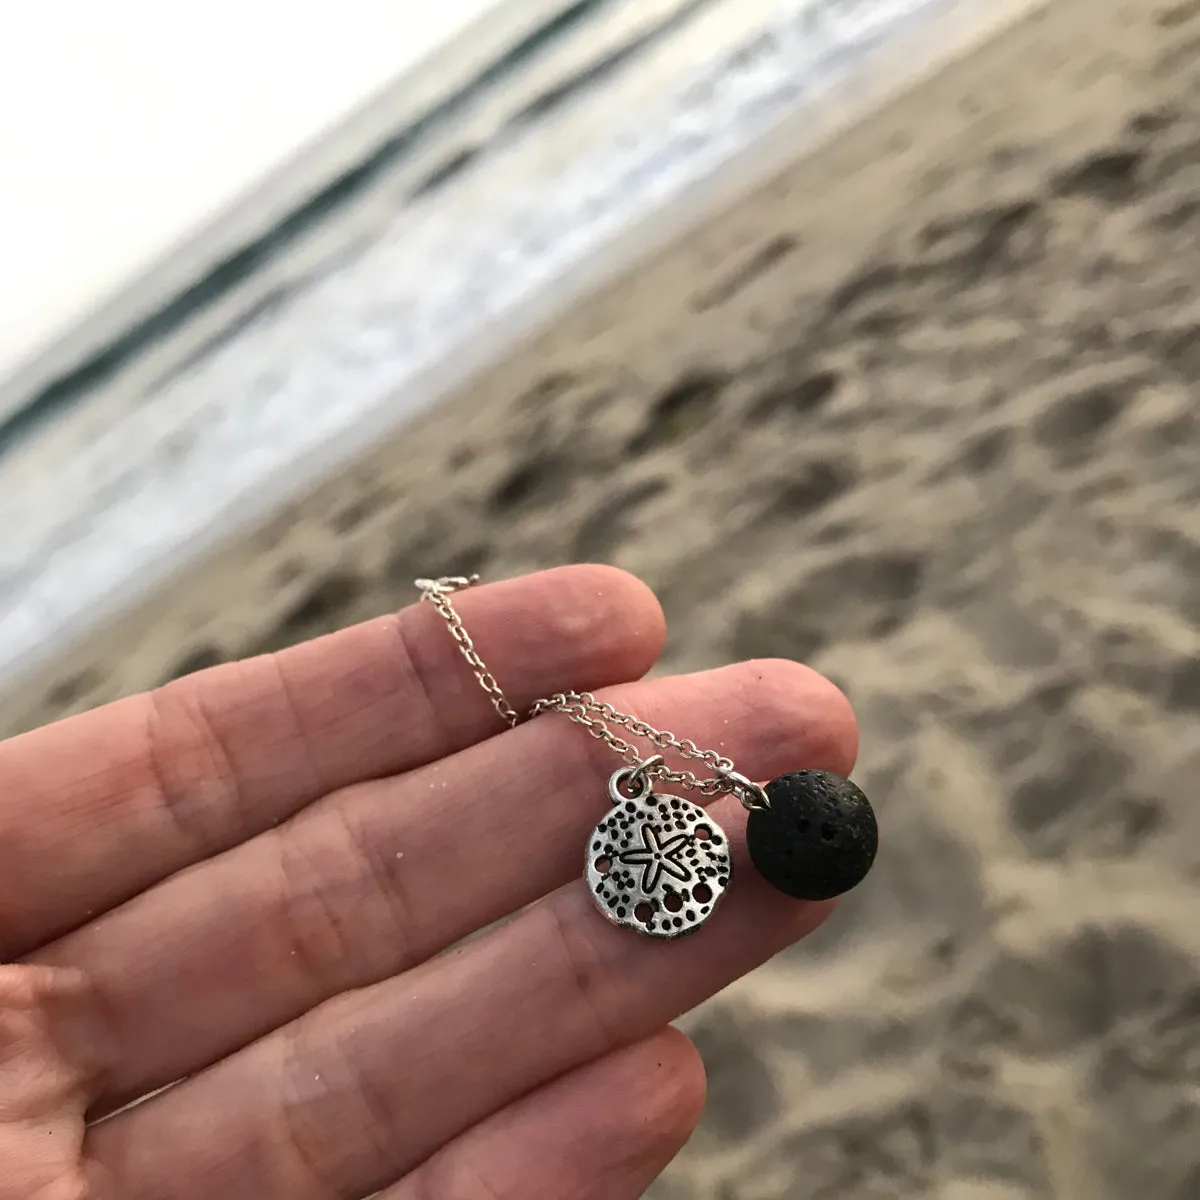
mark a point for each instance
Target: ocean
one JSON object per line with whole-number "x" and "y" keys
{"x": 359, "y": 284}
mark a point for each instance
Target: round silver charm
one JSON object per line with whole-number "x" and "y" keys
{"x": 655, "y": 863}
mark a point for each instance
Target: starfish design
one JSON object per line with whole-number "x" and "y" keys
{"x": 656, "y": 857}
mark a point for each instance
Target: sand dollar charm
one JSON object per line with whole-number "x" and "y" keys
{"x": 656, "y": 863}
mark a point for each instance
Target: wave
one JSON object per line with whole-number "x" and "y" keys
{"x": 101, "y": 508}
{"x": 58, "y": 394}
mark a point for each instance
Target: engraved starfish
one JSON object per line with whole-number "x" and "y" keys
{"x": 656, "y": 857}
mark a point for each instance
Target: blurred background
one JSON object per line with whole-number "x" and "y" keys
{"x": 866, "y": 331}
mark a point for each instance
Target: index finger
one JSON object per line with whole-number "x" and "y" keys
{"x": 110, "y": 802}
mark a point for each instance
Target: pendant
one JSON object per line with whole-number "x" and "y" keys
{"x": 816, "y": 838}
{"x": 656, "y": 863}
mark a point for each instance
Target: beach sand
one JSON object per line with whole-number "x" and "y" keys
{"x": 922, "y": 412}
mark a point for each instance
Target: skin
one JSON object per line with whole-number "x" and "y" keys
{"x": 263, "y": 879}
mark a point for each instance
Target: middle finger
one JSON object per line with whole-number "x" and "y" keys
{"x": 378, "y": 877}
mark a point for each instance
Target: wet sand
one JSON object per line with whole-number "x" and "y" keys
{"x": 922, "y": 412}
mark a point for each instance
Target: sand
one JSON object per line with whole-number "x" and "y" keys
{"x": 922, "y": 413}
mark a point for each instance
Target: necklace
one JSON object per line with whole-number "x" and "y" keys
{"x": 658, "y": 863}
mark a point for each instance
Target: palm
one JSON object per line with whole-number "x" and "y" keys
{"x": 246, "y": 882}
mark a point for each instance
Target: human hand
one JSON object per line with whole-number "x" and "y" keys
{"x": 251, "y": 881}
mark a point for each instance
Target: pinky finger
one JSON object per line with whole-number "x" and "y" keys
{"x": 604, "y": 1131}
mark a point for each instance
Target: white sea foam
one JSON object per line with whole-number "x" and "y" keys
{"x": 315, "y": 379}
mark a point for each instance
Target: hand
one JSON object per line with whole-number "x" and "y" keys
{"x": 250, "y": 880}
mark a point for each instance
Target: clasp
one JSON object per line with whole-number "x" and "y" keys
{"x": 447, "y": 584}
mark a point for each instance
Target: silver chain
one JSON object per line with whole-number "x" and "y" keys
{"x": 438, "y": 593}
{"x": 596, "y": 716}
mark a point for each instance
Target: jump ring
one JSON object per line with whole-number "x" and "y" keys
{"x": 640, "y": 771}
{"x": 752, "y": 796}
{"x": 635, "y": 776}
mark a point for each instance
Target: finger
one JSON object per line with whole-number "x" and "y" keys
{"x": 604, "y": 1131}
{"x": 112, "y": 801}
{"x": 376, "y": 879}
{"x": 369, "y": 1084}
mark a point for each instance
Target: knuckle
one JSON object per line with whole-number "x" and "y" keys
{"x": 424, "y": 675}
{"x": 342, "y": 914}
{"x": 285, "y": 696}
{"x": 385, "y": 921}
{"x": 191, "y": 773}
{"x": 333, "y": 1134}
{"x": 313, "y": 927}
{"x": 297, "y": 1118}
{"x": 452, "y": 1173}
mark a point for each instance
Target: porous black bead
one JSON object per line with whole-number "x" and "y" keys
{"x": 817, "y": 840}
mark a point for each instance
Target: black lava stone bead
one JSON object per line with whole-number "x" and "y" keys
{"x": 817, "y": 840}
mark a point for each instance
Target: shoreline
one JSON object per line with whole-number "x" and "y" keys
{"x": 881, "y": 51}
{"x": 299, "y": 192}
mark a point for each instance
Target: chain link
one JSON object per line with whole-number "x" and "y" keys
{"x": 598, "y": 717}
{"x": 438, "y": 593}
